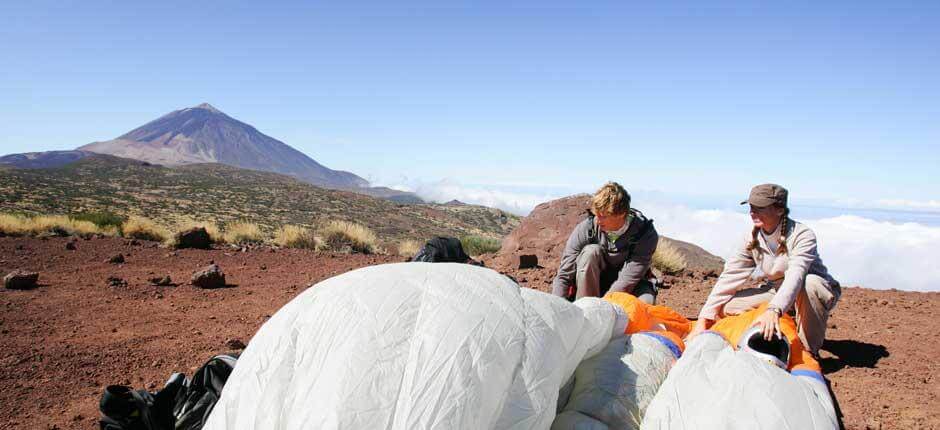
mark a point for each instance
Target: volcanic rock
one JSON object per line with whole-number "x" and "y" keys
{"x": 70, "y": 245}
{"x": 196, "y": 237}
{"x": 114, "y": 281}
{"x": 528, "y": 261}
{"x": 235, "y": 344}
{"x": 210, "y": 277}
{"x": 161, "y": 281}
{"x": 20, "y": 280}
{"x": 117, "y": 259}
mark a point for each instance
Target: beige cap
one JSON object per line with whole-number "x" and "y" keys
{"x": 765, "y": 195}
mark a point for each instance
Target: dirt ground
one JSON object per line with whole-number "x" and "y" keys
{"x": 63, "y": 342}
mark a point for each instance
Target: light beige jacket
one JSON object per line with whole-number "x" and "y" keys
{"x": 787, "y": 271}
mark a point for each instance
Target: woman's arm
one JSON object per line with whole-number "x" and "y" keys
{"x": 799, "y": 258}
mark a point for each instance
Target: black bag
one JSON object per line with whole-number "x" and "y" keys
{"x": 442, "y": 250}
{"x": 182, "y": 404}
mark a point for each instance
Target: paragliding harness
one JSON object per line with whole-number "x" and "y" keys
{"x": 182, "y": 404}
{"x": 632, "y": 241}
{"x": 442, "y": 250}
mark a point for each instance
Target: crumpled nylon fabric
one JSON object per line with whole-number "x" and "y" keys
{"x": 714, "y": 386}
{"x": 414, "y": 346}
{"x": 613, "y": 388}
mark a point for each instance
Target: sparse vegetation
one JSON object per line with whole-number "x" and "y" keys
{"x": 293, "y": 236}
{"x": 477, "y": 245}
{"x": 103, "y": 220}
{"x": 243, "y": 232}
{"x": 59, "y": 225}
{"x": 409, "y": 248}
{"x": 347, "y": 236}
{"x": 137, "y": 227}
{"x": 668, "y": 259}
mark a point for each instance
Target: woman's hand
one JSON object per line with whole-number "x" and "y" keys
{"x": 701, "y": 325}
{"x": 769, "y": 323}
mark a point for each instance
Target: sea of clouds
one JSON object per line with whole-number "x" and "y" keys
{"x": 858, "y": 250}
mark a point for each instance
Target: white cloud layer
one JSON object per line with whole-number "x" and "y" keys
{"x": 857, "y": 250}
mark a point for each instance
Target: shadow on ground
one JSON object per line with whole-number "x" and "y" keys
{"x": 850, "y": 353}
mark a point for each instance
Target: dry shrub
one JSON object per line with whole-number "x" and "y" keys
{"x": 346, "y": 236}
{"x": 668, "y": 259}
{"x": 243, "y": 232}
{"x": 137, "y": 227}
{"x": 13, "y": 225}
{"x": 293, "y": 236}
{"x": 478, "y": 245}
{"x": 409, "y": 248}
{"x": 60, "y": 225}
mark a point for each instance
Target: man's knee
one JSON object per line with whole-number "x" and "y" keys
{"x": 591, "y": 254}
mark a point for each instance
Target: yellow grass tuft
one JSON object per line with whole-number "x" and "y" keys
{"x": 409, "y": 248}
{"x": 346, "y": 236}
{"x": 668, "y": 259}
{"x": 243, "y": 232}
{"x": 13, "y": 225}
{"x": 62, "y": 225}
{"x": 293, "y": 236}
{"x": 137, "y": 227}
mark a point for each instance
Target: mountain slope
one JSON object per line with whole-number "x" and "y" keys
{"x": 42, "y": 160}
{"x": 223, "y": 194}
{"x": 204, "y": 134}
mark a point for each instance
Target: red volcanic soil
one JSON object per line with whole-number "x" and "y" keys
{"x": 63, "y": 342}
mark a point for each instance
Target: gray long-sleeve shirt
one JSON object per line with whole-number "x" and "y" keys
{"x": 632, "y": 266}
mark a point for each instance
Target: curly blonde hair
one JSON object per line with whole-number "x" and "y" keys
{"x": 611, "y": 199}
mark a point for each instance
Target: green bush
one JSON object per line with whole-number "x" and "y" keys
{"x": 476, "y": 245}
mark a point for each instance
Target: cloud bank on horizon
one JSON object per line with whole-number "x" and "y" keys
{"x": 857, "y": 250}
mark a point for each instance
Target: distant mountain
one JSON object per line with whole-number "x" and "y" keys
{"x": 204, "y": 134}
{"x": 42, "y": 160}
{"x": 221, "y": 193}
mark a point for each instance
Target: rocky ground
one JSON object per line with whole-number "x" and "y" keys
{"x": 63, "y": 342}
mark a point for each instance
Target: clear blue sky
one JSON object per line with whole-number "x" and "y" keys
{"x": 834, "y": 99}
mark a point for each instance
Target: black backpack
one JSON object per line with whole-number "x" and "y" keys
{"x": 182, "y": 404}
{"x": 442, "y": 250}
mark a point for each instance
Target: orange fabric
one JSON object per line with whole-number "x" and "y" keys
{"x": 732, "y": 327}
{"x": 645, "y": 317}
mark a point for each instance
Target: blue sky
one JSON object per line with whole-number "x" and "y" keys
{"x": 839, "y": 101}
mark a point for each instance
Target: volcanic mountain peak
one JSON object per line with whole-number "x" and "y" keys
{"x": 204, "y": 134}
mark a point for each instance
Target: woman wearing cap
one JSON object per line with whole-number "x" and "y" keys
{"x": 793, "y": 274}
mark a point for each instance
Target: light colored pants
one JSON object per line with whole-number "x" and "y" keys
{"x": 593, "y": 278}
{"x": 813, "y": 304}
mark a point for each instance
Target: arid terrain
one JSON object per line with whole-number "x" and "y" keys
{"x": 64, "y": 341}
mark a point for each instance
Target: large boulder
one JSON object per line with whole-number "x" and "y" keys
{"x": 20, "y": 280}
{"x": 196, "y": 237}
{"x": 544, "y": 232}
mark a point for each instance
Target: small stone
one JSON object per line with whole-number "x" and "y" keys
{"x": 209, "y": 277}
{"x": 235, "y": 344}
{"x": 117, "y": 259}
{"x": 114, "y": 281}
{"x": 70, "y": 245}
{"x": 528, "y": 261}
{"x": 20, "y": 280}
{"x": 161, "y": 281}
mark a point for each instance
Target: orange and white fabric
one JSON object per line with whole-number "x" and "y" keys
{"x": 612, "y": 389}
{"x": 715, "y": 386}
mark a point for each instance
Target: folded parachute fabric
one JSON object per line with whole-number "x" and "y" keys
{"x": 718, "y": 386}
{"x": 415, "y": 346}
{"x": 612, "y": 389}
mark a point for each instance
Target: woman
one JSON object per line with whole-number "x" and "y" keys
{"x": 785, "y": 252}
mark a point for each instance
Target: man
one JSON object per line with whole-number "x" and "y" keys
{"x": 611, "y": 250}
